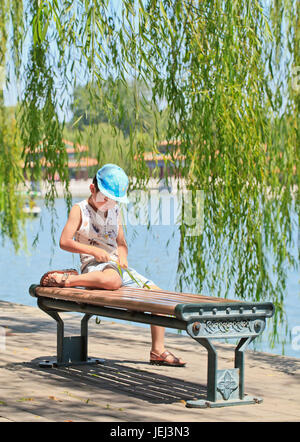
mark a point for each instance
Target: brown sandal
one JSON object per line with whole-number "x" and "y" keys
{"x": 161, "y": 359}
{"x": 52, "y": 282}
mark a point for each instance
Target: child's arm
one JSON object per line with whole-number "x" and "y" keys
{"x": 70, "y": 245}
{"x": 122, "y": 247}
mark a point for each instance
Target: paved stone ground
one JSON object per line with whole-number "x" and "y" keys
{"x": 126, "y": 388}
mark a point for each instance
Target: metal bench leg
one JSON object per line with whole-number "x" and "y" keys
{"x": 224, "y": 387}
{"x": 239, "y": 363}
{"x": 71, "y": 350}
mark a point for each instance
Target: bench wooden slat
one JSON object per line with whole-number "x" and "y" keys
{"x": 142, "y": 300}
{"x": 164, "y": 294}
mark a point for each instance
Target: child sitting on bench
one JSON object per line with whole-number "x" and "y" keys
{"x": 94, "y": 230}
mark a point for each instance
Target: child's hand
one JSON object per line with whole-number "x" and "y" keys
{"x": 101, "y": 255}
{"x": 123, "y": 262}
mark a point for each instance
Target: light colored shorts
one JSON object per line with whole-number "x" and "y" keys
{"x": 131, "y": 279}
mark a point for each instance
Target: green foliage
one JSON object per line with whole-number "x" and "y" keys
{"x": 104, "y": 121}
{"x": 40, "y": 129}
{"x": 113, "y": 103}
{"x": 11, "y": 215}
{"x": 105, "y": 142}
{"x": 227, "y": 74}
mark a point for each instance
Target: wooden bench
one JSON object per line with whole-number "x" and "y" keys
{"x": 204, "y": 318}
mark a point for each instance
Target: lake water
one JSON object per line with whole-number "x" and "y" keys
{"x": 149, "y": 254}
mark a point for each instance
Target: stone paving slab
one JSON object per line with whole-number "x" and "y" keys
{"x": 126, "y": 388}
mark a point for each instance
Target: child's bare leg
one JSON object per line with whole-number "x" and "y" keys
{"x": 158, "y": 337}
{"x": 107, "y": 279}
{"x": 157, "y": 334}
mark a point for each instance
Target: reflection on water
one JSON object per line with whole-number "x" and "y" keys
{"x": 152, "y": 252}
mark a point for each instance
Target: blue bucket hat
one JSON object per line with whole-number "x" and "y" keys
{"x": 113, "y": 182}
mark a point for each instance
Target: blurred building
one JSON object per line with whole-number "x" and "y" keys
{"x": 166, "y": 161}
{"x": 78, "y": 161}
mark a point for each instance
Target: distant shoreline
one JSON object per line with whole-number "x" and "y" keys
{"x": 80, "y": 188}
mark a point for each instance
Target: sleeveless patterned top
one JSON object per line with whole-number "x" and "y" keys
{"x": 98, "y": 230}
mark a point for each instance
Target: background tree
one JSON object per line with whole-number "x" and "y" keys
{"x": 229, "y": 75}
{"x": 121, "y": 111}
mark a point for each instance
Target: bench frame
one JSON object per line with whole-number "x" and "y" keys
{"x": 203, "y": 322}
